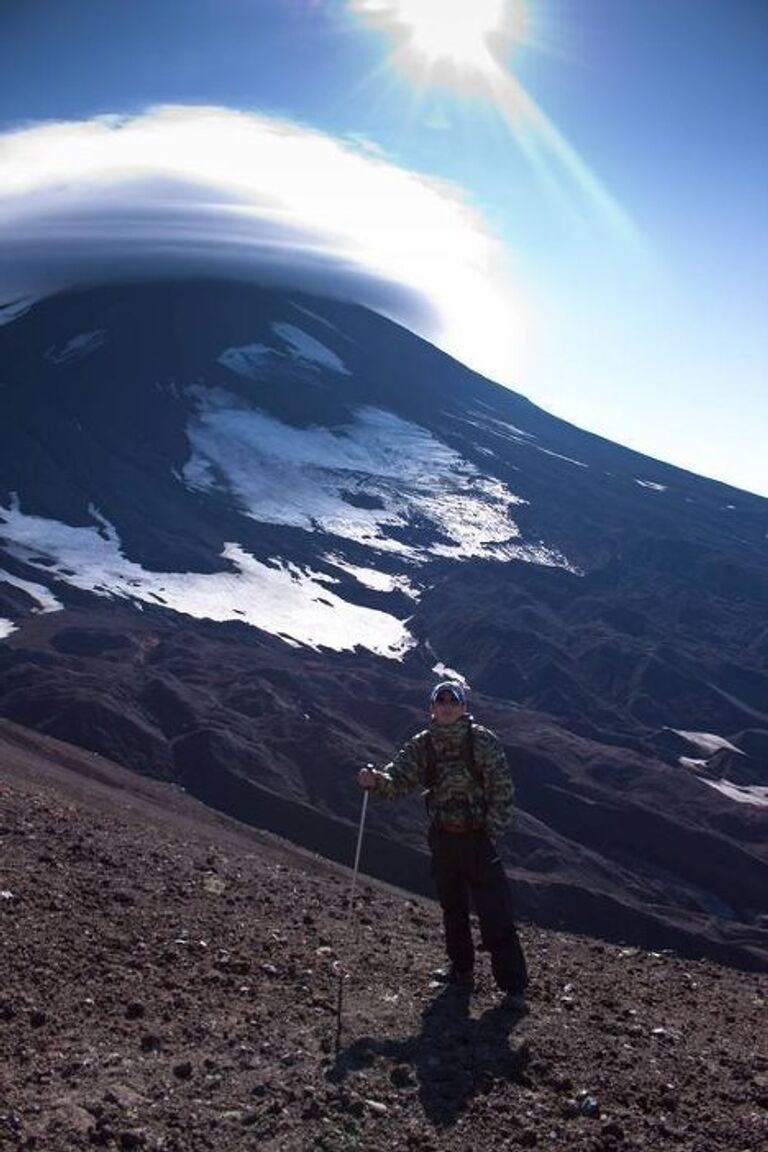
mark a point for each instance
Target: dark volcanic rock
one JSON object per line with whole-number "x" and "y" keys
{"x": 736, "y": 767}
{"x": 89, "y": 642}
{"x": 173, "y": 709}
{"x": 753, "y": 742}
{"x": 110, "y": 730}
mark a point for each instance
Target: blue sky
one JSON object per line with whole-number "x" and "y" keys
{"x": 623, "y": 222}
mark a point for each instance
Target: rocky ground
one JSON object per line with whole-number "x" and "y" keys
{"x": 168, "y": 983}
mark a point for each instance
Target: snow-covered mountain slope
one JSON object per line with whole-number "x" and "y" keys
{"x": 281, "y": 430}
{"x": 334, "y": 508}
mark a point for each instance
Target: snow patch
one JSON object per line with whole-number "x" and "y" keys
{"x": 309, "y": 350}
{"x": 369, "y": 481}
{"x": 446, "y": 673}
{"x": 691, "y": 763}
{"x": 6, "y": 627}
{"x": 314, "y": 316}
{"x": 15, "y": 310}
{"x": 501, "y": 428}
{"x": 651, "y": 484}
{"x": 708, "y": 742}
{"x": 78, "y": 347}
{"x": 254, "y": 361}
{"x": 742, "y": 793}
{"x": 280, "y": 598}
{"x": 378, "y": 581}
{"x": 511, "y": 433}
{"x": 559, "y": 456}
{"x": 46, "y": 601}
{"x": 250, "y": 361}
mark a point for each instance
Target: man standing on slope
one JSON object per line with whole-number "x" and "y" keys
{"x": 462, "y": 768}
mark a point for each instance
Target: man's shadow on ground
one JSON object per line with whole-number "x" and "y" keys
{"x": 453, "y": 1058}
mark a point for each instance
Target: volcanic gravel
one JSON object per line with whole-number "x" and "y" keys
{"x": 168, "y": 982}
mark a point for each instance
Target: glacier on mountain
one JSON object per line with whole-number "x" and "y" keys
{"x": 366, "y": 481}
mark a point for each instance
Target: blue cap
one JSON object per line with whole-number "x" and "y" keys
{"x": 458, "y": 691}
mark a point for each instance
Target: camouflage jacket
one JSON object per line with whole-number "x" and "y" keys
{"x": 457, "y": 797}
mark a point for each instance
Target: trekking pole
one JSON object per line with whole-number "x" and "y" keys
{"x": 340, "y": 969}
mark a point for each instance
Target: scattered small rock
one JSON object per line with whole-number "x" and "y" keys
{"x": 123, "y": 897}
{"x": 664, "y": 1034}
{"x": 401, "y": 1076}
{"x": 232, "y": 1116}
{"x": 589, "y": 1106}
{"x": 133, "y": 1138}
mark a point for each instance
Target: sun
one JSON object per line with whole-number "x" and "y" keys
{"x": 432, "y": 33}
{"x": 456, "y": 31}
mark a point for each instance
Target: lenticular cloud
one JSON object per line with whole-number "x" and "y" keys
{"x": 212, "y": 190}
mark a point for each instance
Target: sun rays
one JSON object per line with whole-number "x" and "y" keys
{"x": 462, "y": 47}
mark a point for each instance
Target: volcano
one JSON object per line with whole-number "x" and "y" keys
{"x": 242, "y": 530}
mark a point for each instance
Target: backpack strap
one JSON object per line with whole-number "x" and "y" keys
{"x": 430, "y": 768}
{"x": 477, "y": 773}
{"x": 468, "y": 753}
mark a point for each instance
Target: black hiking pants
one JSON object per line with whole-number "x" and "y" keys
{"x": 467, "y": 866}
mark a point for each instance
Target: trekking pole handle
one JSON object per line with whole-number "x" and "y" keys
{"x": 369, "y": 768}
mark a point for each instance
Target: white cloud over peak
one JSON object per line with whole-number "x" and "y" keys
{"x": 214, "y": 190}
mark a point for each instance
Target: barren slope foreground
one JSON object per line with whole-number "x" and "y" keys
{"x": 167, "y": 984}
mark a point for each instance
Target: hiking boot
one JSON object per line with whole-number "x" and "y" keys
{"x": 514, "y": 1003}
{"x": 463, "y": 981}
{"x": 456, "y": 978}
